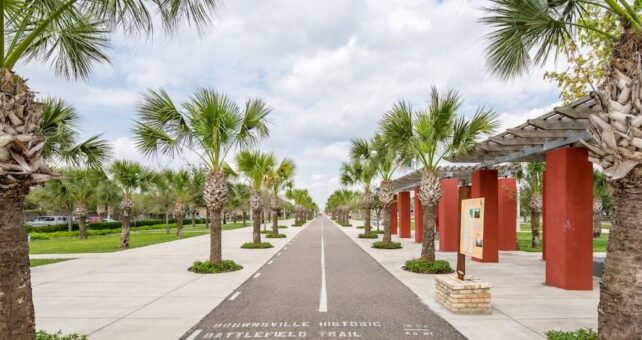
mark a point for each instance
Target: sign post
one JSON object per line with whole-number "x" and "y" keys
{"x": 471, "y": 233}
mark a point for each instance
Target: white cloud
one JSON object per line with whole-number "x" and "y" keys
{"x": 330, "y": 69}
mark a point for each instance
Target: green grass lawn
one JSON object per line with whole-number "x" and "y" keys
{"x": 524, "y": 241}
{"x": 42, "y": 262}
{"x": 526, "y": 226}
{"x": 111, "y": 243}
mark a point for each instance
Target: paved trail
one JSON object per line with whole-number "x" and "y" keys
{"x": 322, "y": 285}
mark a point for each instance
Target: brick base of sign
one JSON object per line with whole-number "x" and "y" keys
{"x": 470, "y": 296}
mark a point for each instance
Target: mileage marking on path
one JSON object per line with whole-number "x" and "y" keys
{"x": 323, "y": 301}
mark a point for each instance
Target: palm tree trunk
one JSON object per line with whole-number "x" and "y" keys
{"x": 597, "y": 225}
{"x": 193, "y": 219}
{"x": 207, "y": 218}
{"x": 535, "y": 238}
{"x": 179, "y": 225}
{"x": 17, "y": 319}
{"x": 256, "y": 222}
{"x": 620, "y": 307}
{"x": 387, "y": 233}
{"x": 428, "y": 245}
{"x": 275, "y": 221}
{"x": 124, "y": 235}
{"x": 167, "y": 222}
{"x": 70, "y": 220}
{"x": 216, "y": 253}
{"x": 244, "y": 215}
{"x": 366, "y": 220}
{"x": 82, "y": 227}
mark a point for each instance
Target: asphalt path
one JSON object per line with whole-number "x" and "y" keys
{"x": 322, "y": 285}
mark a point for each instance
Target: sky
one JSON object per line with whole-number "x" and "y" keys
{"x": 329, "y": 70}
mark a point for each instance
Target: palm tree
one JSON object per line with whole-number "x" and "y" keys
{"x": 361, "y": 170}
{"x": 130, "y": 177}
{"x": 159, "y": 187}
{"x": 279, "y": 179}
{"x": 522, "y": 27}
{"x": 196, "y": 182}
{"x": 300, "y": 198}
{"x": 386, "y": 161}
{"x": 532, "y": 177}
{"x": 239, "y": 199}
{"x": 210, "y": 124}
{"x": 429, "y": 135}
{"x": 106, "y": 196}
{"x": 72, "y": 35}
{"x": 601, "y": 188}
{"x": 256, "y": 167}
{"x": 180, "y": 191}
{"x": 81, "y": 184}
{"x": 56, "y": 196}
{"x": 340, "y": 203}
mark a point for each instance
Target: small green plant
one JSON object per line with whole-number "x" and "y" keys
{"x": 270, "y": 235}
{"x": 361, "y": 227}
{"x": 370, "y": 235}
{"x": 428, "y": 267}
{"x": 297, "y": 225}
{"x": 252, "y": 245}
{"x": 283, "y": 227}
{"x": 378, "y": 231}
{"x": 580, "y": 334}
{"x": 382, "y": 245}
{"x": 207, "y": 267}
{"x": 44, "y": 335}
{"x": 346, "y": 225}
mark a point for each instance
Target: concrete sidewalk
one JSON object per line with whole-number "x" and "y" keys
{"x": 523, "y": 306}
{"x": 142, "y": 293}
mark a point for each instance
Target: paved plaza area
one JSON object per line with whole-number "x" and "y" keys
{"x": 523, "y": 306}
{"x": 320, "y": 282}
{"x": 142, "y": 293}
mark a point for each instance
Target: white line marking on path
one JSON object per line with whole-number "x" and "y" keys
{"x": 285, "y": 248}
{"x": 257, "y": 275}
{"x": 233, "y": 297}
{"x": 279, "y": 254}
{"x": 270, "y": 262}
{"x": 323, "y": 301}
{"x": 194, "y": 334}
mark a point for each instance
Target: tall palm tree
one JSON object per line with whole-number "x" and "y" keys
{"x": 196, "y": 182}
{"x": 81, "y": 184}
{"x": 56, "y": 194}
{"x": 523, "y": 27}
{"x": 532, "y": 177}
{"x": 130, "y": 177}
{"x": 107, "y": 195}
{"x": 256, "y": 167}
{"x": 210, "y": 124}
{"x": 601, "y": 188}
{"x": 300, "y": 198}
{"x": 279, "y": 179}
{"x": 72, "y": 35}
{"x": 361, "y": 170}
{"x": 159, "y": 187}
{"x": 239, "y": 199}
{"x": 429, "y": 135}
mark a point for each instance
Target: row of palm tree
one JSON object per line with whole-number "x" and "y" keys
{"x": 409, "y": 136}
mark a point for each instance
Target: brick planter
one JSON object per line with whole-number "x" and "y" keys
{"x": 470, "y": 296}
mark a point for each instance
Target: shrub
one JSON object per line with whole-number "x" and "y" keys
{"x": 283, "y": 227}
{"x": 44, "y": 335}
{"x": 391, "y": 245}
{"x": 580, "y": 334}
{"x": 107, "y": 225}
{"x": 371, "y": 235}
{"x": 275, "y": 235}
{"x": 428, "y": 267}
{"x": 379, "y": 231}
{"x": 346, "y": 225}
{"x": 297, "y": 225}
{"x": 361, "y": 227}
{"x": 252, "y": 245}
{"x": 207, "y": 267}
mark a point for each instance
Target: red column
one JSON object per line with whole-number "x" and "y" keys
{"x": 507, "y": 211}
{"x": 419, "y": 218}
{"x": 393, "y": 217}
{"x": 449, "y": 215}
{"x": 543, "y": 235}
{"x": 404, "y": 214}
{"x": 569, "y": 212}
{"x": 485, "y": 185}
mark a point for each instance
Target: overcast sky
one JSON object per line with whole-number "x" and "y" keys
{"x": 329, "y": 69}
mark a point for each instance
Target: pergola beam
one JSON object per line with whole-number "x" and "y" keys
{"x": 551, "y": 124}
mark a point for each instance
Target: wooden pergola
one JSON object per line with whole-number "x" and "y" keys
{"x": 562, "y": 126}
{"x": 460, "y": 172}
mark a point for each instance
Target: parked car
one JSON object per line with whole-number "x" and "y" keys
{"x": 43, "y": 221}
{"x": 109, "y": 220}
